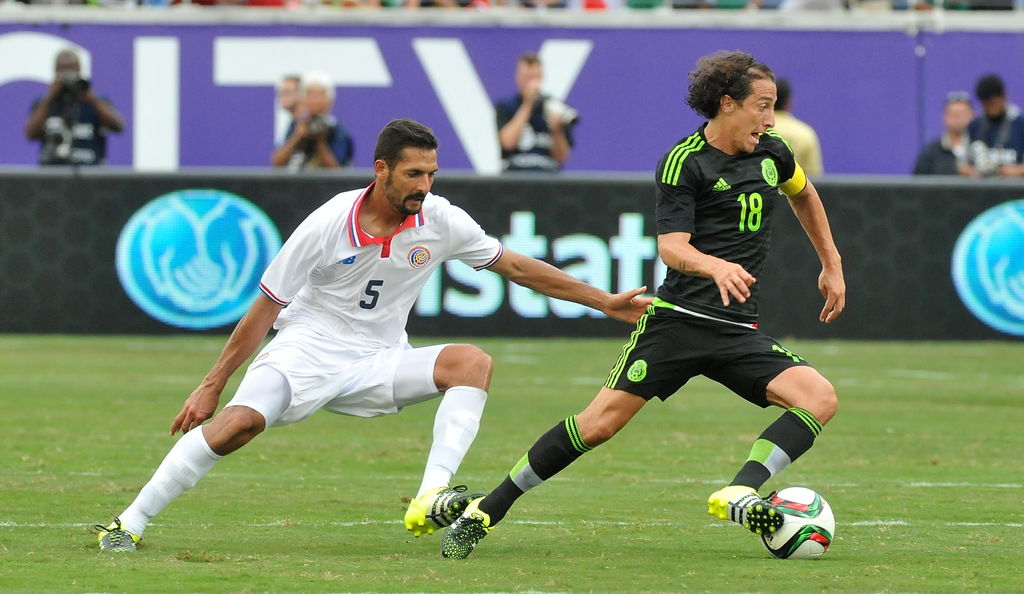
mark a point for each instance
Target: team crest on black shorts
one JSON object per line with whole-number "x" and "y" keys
{"x": 637, "y": 371}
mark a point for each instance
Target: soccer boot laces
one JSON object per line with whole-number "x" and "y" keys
{"x": 462, "y": 537}
{"x": 745, "y": 507}
{"x": 437, "y": 508}
{"x": 115, "y": 538}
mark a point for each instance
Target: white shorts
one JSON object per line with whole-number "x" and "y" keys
{"x": 326, "y": 373}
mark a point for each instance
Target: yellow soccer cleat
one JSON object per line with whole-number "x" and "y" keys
{"x": 115, "y": 538}
{"x": 745, "y": 507}
{"x": 437, "y": 508}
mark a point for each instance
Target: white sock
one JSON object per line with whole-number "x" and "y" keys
{"x": 187, "y": 462}
{"x": 455, "y": 427}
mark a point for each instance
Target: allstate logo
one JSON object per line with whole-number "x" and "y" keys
{"x": 194, "y": 258}
{"x": 988, "y": 267}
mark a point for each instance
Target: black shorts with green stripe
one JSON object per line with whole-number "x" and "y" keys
{"x": 668, "y": 347}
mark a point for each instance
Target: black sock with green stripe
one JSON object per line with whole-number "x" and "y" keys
{"x": 782, "y": 442}
{"x": 555, "y": 450}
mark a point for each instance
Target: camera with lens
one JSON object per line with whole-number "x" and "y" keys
{"x": 317, "y": 125}
{"x": 987, "y": 160}
{"x": 73, "y": 83}
{"x": 559, "y": 110}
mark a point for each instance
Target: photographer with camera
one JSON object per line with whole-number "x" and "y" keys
{"x": 535, "y": 131}
{"x": 315, "y": 138}
{"x": 71, "y": 121}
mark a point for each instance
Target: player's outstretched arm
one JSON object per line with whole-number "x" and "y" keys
{"x": 248, "y": 334}
{"x": 544, "y": 278}
{"x": 808, "y": 208}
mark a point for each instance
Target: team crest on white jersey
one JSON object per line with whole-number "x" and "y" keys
{"x": 419, "y": 256}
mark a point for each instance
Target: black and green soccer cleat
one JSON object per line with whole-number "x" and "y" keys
{"x": 745, "y": 507}
{"x": 462, "y": 537}
{"x": 115, "y": 538}
{"x": 437, "y": 508}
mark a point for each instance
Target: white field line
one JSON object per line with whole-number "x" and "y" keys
{"x": 920, "y": 374}
{"x": 305, "y": 524}
{"x": 947, "y": 485}
{"x": 571, "y": 479}
{"x": 849, "y": 373}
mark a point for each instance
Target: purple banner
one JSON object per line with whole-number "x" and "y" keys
{"x": 202, "y": 95}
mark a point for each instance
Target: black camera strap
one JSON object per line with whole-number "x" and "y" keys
{"x": 1002, "y": 133}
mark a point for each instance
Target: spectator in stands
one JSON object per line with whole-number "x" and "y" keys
{"x": 535, "y": 131}
{"x": 315, "y": 139}
{"x": 70, "y": 120}
{"x": 997, "y": 134}
{"x": 541, "y": 3}
{"x": 474, "y": 4}
{"x": 288, "y": 106}
{"x": 947, "y": 155}
{"x": 821, "y": 5}
{"x": 800, "y": 135}
{"x": 795, "y": 5}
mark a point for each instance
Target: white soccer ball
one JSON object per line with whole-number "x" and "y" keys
{"x": 809, "y": 526}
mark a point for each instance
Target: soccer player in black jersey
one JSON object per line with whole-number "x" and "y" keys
{"x": 716, "y": 190}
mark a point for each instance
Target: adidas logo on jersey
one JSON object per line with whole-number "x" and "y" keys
{"x": 349, "y": 260}
{"x": 721, "y": 185}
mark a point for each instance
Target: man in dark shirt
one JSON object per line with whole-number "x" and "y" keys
{"x": 947, "y": 155}
{"x": 315, "y": 139}
{"x": 716, "y": 192}
{"x": 71, "y": 121}
{"x": 535, "y": 131}
{"x": 997, "y": 135}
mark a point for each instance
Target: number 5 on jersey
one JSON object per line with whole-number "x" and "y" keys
{"x": 372, "y": 294}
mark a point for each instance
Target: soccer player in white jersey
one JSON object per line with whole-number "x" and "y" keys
{"x": 339, "y": 293}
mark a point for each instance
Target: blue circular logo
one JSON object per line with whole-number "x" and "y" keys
{"x": 988, "y": 267}
{"x": 194, "y": 258}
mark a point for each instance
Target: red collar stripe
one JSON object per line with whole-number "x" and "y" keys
{"x": 353, "y": 218}
{"x": 360, "y": 238}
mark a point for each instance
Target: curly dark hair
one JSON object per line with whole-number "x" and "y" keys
{"x": 723, "y": 73}
{"x": 989, "y": 86}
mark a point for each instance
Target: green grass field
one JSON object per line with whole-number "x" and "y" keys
{"x": 923, "y": 467}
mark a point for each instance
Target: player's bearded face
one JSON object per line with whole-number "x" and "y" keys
{"x": 405, "y": 202}
{"x": 407, "y": 183}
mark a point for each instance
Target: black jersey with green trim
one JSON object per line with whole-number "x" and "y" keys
{"x": 725, "y": 202}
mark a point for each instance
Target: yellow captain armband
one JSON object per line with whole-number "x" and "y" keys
{"x": 796, "y": 184}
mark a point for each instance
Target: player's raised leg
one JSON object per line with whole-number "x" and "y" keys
{"x": 192, "y": 457}
{"x": 554, "y": 451}
{"x": 810, "y": 402}
{"x": 463, "y": 373}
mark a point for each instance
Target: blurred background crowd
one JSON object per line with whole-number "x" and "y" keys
{"x": 321, "y": 81}
{"x": 598, "y": 5}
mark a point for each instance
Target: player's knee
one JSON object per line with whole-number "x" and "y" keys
{"x": 234, "y": 427}
{"x": 464, "y": 365}
{"x": 246, "y": 420}
{"x": 825, "y": 402}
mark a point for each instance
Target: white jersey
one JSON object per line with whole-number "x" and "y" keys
{"x": 349, "y": 285}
